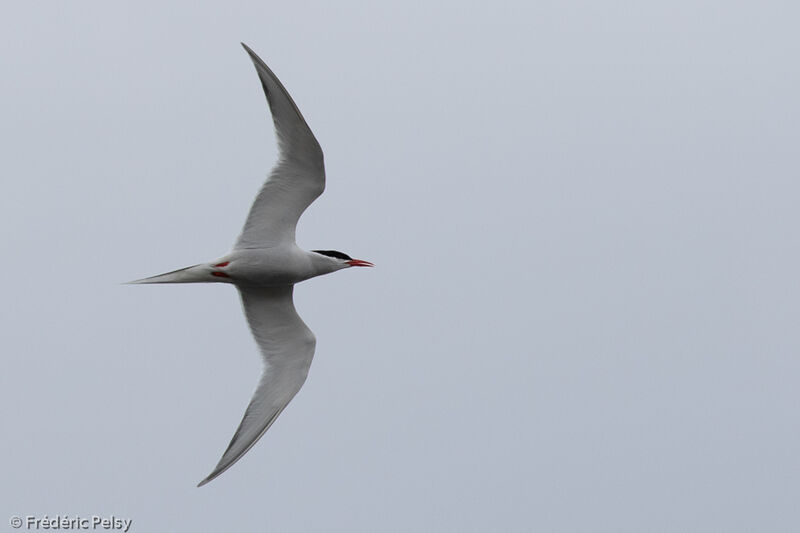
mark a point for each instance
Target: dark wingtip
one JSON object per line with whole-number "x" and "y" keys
{"x": 209, "y": 478}
{"x": 249, "y": 50}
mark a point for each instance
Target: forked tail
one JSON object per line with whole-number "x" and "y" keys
{"x": 193, "y": 274}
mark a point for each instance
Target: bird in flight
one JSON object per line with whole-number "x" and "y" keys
{"x": 265, "y": 264}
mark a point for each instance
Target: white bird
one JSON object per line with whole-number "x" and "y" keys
{"x": 265, "y": 263}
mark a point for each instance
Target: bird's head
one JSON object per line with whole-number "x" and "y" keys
{"x": 339, "y": 260}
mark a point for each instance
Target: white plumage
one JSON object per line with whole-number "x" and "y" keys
{"x": 265, "y": 263}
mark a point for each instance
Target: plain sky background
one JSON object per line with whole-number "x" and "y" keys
{"x": 585, "y": 312}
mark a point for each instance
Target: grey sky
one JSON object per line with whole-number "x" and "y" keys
{"x": 584, "y": 215}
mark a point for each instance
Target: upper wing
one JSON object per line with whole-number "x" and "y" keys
{"x": 287, "y": 346}
{"x": 296, "y": 180}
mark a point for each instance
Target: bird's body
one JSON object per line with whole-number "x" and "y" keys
{"x": 265, "y": 263}
{"x": 256, "y": 267}
{"x": 280, "y": 265}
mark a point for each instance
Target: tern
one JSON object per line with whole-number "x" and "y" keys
{"x": 265, "y": 264}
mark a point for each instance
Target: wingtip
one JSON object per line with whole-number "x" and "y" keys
{"x": 213, "y": 475}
